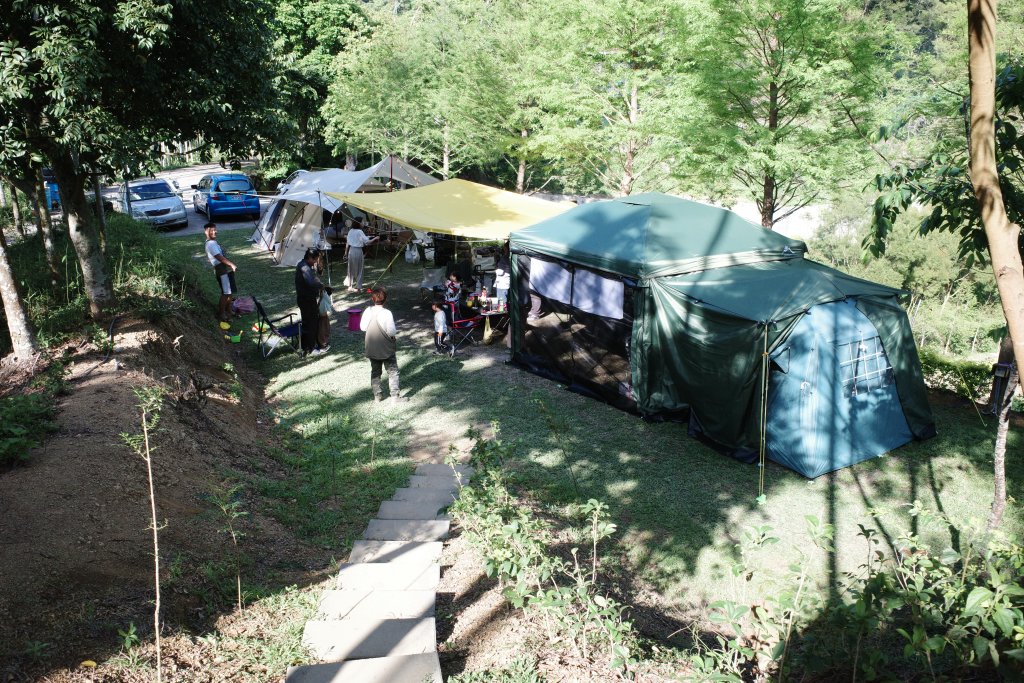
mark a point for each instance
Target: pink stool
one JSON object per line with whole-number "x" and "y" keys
{"x": 354, "y": 316}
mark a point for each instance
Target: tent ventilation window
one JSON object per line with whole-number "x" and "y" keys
{"x": 863, "y": 366}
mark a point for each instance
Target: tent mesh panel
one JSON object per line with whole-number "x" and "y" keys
{"x": 590, "y": 353}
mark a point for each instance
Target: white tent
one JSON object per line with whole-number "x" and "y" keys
{"x": 294, "y": 221}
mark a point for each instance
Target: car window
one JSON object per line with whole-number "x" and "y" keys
{"x": 204, "y": 183}
{"x": 234, "y": 185}
{"x": 155, "y": 190}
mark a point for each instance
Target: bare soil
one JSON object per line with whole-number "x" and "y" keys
{"x": 76, "y": 555}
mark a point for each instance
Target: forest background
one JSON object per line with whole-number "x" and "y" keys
{"x": 784, "y": 103}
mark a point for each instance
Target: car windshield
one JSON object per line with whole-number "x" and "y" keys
{"x": 151, "y": 191}
{"x": 239, "y": 185}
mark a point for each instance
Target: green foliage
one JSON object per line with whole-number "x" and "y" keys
{"x": 966, "y": 378}
{"x": 522, "y": 670}
{"x": 515, "y": 547}
{"x": 129, "y": 637}
{"x": 25, "y": 419}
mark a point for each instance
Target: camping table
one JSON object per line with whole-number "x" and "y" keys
{"x": 500, "y": 322}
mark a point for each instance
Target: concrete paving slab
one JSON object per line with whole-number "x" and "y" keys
{"x": 418, "y": 481}
{"x": 411, "y": 552}
{"x": 430, "y": 469}
{"x": 398, "y": 509}
{"x": 337, "y": 641}
{"x": 424, "y": 668}
{"x": 389, "y": 576}
{"x": 408, "y": 495}
{"x": 406, "y": 530}
{"x": 370, "y": 604}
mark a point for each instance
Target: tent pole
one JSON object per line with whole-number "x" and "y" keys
{"x": 323, "y": 236}
{"x": 763, "y": 416}
{"x": 391, "y": 263}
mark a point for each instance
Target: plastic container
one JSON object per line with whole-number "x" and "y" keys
{"x": 354, "y": 316}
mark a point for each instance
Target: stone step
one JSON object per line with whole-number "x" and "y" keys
{"x": 419, "y": 481}
{"x": 440, "y": 470}
{"x": 389, "y": 576}
{"x": 370, "y": 604}
{"x": 397, "y": 509}
{"x": 411, "y": 552}
{"x": 337, "y": 641}
{"x": 424, "y": 668}
{"x": 408, "y": 495}
{"x": 406, "y": 530}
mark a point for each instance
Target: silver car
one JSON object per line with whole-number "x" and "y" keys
{"x": 153, "y": 201}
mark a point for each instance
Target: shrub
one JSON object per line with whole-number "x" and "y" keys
{"x": 970, "y": 379}
{"x": 24, "y": 419}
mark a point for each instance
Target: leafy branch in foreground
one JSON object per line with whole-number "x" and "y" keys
{"x": 150, "y": 403}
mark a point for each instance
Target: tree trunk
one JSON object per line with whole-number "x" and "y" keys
{"x": 46, "y": 228}
{"x": 1002, "y": 235}
{"x": 84, "y": 235}
{"x": 446, "y": 155}
{"x": 101, "y": 213}
{"x": 350, "y": 162}
{"x": 19, "y": 222}
{"x": 521, "y": 170}
{"x": 22, "y": 339}
{"x": 3, "y": 195}
{"x": 999, "y": 456}
{"x": 629, "y": 147}
{"x": 768, "y": 189}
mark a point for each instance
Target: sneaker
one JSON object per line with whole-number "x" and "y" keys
{"x": 317, "y": 352}
{"x": 378, "y": 399}
{"x": 327, "y": 348}
{"x": 398, "y": 399}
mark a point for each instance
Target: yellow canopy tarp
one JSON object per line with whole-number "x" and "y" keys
{"x": 457, "y": 207}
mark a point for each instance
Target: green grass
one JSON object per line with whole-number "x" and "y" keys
{"x": 680, "y": 506}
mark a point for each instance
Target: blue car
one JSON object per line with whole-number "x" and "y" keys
{"x": 226, "y": 194}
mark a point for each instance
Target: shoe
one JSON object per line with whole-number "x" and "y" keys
{"x": 378, "y": 399}
{"x": 325, "y": 349}
{"x": 398, "y": 399}
{"x": 317, "y": 352}
{"x": 353, "y": 290}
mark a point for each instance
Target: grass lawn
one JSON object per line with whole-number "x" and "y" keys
{"x": 680, "y": 506}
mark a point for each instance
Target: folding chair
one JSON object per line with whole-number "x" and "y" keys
{"x": 271, "y": 336}
{"x": 460, "y": 327}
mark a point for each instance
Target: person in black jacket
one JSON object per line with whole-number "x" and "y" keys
{"x": 307, "y": 294}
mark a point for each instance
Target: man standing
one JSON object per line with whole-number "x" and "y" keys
{"x": 381, "y": 344}
{"x": 307, "y": 294}
{"x": 224, "y": 270}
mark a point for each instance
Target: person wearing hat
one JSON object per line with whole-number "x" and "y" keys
{"x": 307, "y": 294}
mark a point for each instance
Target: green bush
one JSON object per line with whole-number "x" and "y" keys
{"x": 970, "y": 379}
{"x": 24, "y": 419}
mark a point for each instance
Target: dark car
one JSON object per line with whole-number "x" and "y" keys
{"x": 226, "y": 194}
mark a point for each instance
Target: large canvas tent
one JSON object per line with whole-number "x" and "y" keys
{"x": 457, "y": 207}
{"x": 667, "y": 306}
{"x": 295, "y": 219}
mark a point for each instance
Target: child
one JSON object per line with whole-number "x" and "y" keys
{"x": 453, "y": 288}
{"x": 440, "y": 328}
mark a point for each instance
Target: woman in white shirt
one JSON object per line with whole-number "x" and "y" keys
{"x": 354, "y": 244}
{"x": 381, "y": 343}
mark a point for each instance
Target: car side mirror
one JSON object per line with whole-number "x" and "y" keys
{"x": 175, "y": 184}
{"x": 195, "y": 187}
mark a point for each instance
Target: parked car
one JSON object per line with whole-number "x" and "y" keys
{"x": 154, "y": 201}
{"x": 286, "y": 184}
{"x": 226, "y": 194}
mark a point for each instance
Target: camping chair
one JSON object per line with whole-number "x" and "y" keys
{"x": 460, "y": 327}
{"x": 433, "y": 282}
{"x": 271, "y": 336}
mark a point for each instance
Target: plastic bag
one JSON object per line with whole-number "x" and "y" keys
{"x": 412, "y": 254}
{"x": 243, "y": 304}
{"x": 326, "y": 305}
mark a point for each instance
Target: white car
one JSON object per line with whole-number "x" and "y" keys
{"x": 154, "y": 201}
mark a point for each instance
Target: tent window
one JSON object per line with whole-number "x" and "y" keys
{"x": 863, "y": 366}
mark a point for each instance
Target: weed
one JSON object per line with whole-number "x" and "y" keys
{"x": 521, "y": 670}
{"x": 129, "y": 638}
{"x": 228, "y": 503}
{"x": 37, "y": 650}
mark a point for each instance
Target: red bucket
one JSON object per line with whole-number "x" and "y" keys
{"x": 354, "y": 316}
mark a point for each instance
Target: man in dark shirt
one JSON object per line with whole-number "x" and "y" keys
{"x": 307, "y": 294}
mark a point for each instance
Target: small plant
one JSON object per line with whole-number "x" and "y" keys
{"x": 129, "y": 638}
{"x": 228, "y": 503}
{"x": 235, "y": 388}
{"x": 150, "y": 402}
{"x": 37, "y": 650}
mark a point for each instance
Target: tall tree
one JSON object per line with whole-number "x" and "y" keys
{"x": 784, "y": 85}
{"x": 23, "y": 340}
{"x": 1002, "y": 235}
{"x": 92, "y": 85}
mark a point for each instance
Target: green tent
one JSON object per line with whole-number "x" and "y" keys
{"x": 670, "y": 307}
